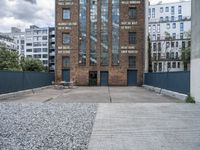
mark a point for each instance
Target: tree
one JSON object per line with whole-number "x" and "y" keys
{"x": 186, "y": 51}
{"x": 29, "y": 64}
{"x": 149, "y": 55}
{"x": 9, "y": 60}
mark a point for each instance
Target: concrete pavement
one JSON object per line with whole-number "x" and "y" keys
{"x": 95, "y": 95}
{"x": 146, "y": 127}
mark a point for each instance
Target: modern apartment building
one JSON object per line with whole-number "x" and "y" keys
{"x": 19, "y": 39}
{"x": 51, "y": 49}
{"x": 100, "y": 42}
{"x": 169, "y": 30}
{"x": 36, "y": 43}
{"x": 7, "y": 42}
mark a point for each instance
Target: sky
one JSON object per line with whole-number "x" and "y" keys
{"x": 23, "y": 13}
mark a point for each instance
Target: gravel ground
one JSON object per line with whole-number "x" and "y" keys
{"x": 46, "y": 126}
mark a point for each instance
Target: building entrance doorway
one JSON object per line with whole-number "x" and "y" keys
{"x": 93, "y": 78}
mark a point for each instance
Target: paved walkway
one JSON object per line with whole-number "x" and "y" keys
{"x": 146, "y": 127}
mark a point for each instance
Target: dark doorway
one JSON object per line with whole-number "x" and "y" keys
{"x": 66, "y": 75}
{"x": 93, "y": 78}
{"x": 132, "y": 77}
{"x": 104, "y": 78}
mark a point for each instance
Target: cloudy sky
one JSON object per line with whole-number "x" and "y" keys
{"x": 23, "y": 13}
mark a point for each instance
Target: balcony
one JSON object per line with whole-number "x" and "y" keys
{"x": 52, "y": 54}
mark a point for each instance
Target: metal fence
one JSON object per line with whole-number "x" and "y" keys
{"x": 173, "y": 81}
{"x": 13, "y": 81}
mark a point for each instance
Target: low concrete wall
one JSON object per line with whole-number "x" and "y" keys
{"x": 166, "y": 92}
{"x": 15, "y": 94}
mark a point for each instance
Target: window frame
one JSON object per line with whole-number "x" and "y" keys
{"x": 132, "y": 17}
{"x": 66, "y": 8}
{"x": 132, "y": 38}
{"x": 63, "y": 38}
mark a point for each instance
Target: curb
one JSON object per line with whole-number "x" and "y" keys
{"x": 19, "y": 93}
{"x": 173, "y": 94}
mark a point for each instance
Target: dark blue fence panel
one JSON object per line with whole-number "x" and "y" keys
{"x": 174, "y": 81}
{"x": 13, "y": 81}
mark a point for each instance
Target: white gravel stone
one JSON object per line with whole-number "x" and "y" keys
{"x": 46, "y": 126}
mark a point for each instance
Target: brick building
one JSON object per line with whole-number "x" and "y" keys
{"x": 100, "y": 42}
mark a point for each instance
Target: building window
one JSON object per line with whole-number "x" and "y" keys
{"x": 166, "y": 9}
{"x": 179, "y": 9}
{"x": 153, "y": 12}
{"x": 132, "y": 61}
{"x": 172, "y": 10}
{"x": 160, "y": 66}
{"x": 166, "y": 18}
{"x": 183, "y": 44}
{"x": 167, "y": 45}
{"x": 180, "y": 17}
{"x": 176, "y": 44}
{"x": 174, "y": 25}
{"x": 44, "y": 38}
{"x": 158, "y": 28}
{"x": 66, "y": 13}
{"x": 82, "y": 32}
{"x": 174, "y": 65}
{"x": 132, "y": 12}
{"x": 172, "y": 44}
{"x": 149, "y": 28}
{"x": 159, "y": 46}
{"x": 104, "y": 33}
{"x": 161, "y": 9}
{"x": 28, "y": 44}
{"x": 161, "y": 19}
{"x": 158, "y": 36}
{"x": 172, "y": 55}
{"x": 181, "y": 26}
{"x": 154, "y": 28}
{"x": 172, "y": 18}
{"x": 181, "y": 36}
{"x": 154, "y": 56}
{"x": 178, "y": 65}
{"x": 115, "y": 31}
{"x": 66, "y": 38}
{"x": 154, "y": 46}
{"x": 65, "y": 62}
{"x": 149, "y": 13}
{"x": 176, "y": 55}
{"x": 189, "y": 43}
{"x": 155, "y": 67}
{"x": 37, "y": 50}
{"x": 154, "y": 37}
{"x": 44, "y": 56}
{"x": 29, "y": 50}
{"x": 167, "y": 55}
{"x": 132, "y": 37}
{"x": 93, "y": 31}
{"x": 169, "y": 65}
{"x": 168, "y": 25}
{"x": 174, "y": 35}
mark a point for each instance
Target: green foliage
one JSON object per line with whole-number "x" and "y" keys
{"x": 186, "y": 52}
{"x": 190, "y": 99}
{"x": 9, "y": 60}
{"x": 29, "y": 64}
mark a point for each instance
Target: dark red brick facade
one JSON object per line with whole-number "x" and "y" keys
{"x": 117, "y": 74}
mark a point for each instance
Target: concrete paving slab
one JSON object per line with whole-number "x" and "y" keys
{"x": 138, "y": 95}
{"x": 95, "y": 95}
{"x": 146, "y": 127}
